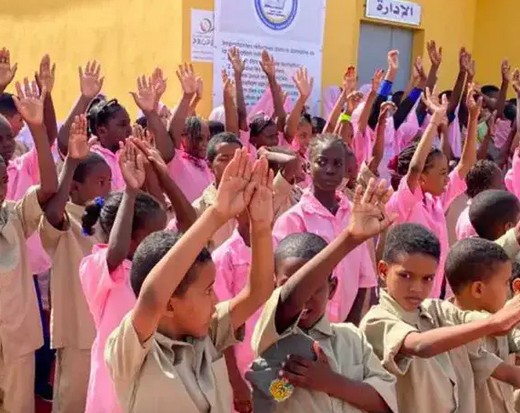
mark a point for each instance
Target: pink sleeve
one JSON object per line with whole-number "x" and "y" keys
{"x": 23, "y": 173}
{"x": 403, "y": 200}
{"x": 512, "y": 179}
{"x": 224, "y": 275}
{"x": 282, "y": 142}
{"x": 264, "y": 105}
{"x": 362, "y": 145}
{"x": 286, "y": 224}
{"x": 503, "y": 129}
{"x": 96, "y": 281}
{"x": 367, "y": 276}
{"x": 244, "y": 138}
{"x": 455, "y": 187}
{"x": 454, "y": 136}
{"x": 288, "y": 105}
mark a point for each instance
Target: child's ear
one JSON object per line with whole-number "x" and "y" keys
{"x": 333, "y": 286}
{"x": 477, "y": 289}
{"x": 382, "y": 270}
{"x": 170, "y": 307}
{"x": 516, "y": 286}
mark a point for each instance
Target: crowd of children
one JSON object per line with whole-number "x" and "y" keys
{"x": 264, "y": 260}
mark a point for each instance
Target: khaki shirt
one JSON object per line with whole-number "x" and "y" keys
{"x": 441, "y": 384}
{"x": 348, "y": 352}
{"x": 20, "y": 324}
{"x": 72, "y": 324}
{"x": 164, "y": 375}
{"x": 510, "y": 245}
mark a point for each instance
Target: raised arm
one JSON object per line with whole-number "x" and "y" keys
{"x": 304, "y": 85}
{"x": 268, "y": 65}
{"x": 29, "y": 104}
{"x": 406, "y": 106}
{"x": 435, "y": 60}
{"x": 230, "y": 109}
{"x": 188, "y": 81}
{"x": 378, "y": 149}
{"x": 469, "y": 152}
{"x": 90, "y": 85}
{"x": 197, "y": 97}
{"x": 7, "y": 72}
{"x": 131, "y": 162}
{"x": 45, "y": 80}
{"x": 234, "y": 194}
{"x": 425, "y": 144}
{"x": 385, "y": 89}
{"x": 368, "y": 219}
{"x": 464, "y": 62}
{"x": 146, "y": 99}
{"x": 502, "y": 96}
{"x": 444, "y": 132}
{"x": 369, "y": 101}
{"x": 239, "y": 66}
{"x": 349, "y": 85}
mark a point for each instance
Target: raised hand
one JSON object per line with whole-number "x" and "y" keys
{"x": 159, "y": 82}
{"x": 227, "y": 84}
{"x": 200, "y": 88}
{"x": 236, "y": 61}
{"x": 434, "y": 53}
{"x": 369, "y": 216}
{"x": 187, "y": 78}
{"x": 7, "y": 72}
{"x": 471, "y": 69}
{"x": 131, "y": 162}
{"x": 506, "y": 71}
{"x": 350, "y": 80}
{"x": 393, "y": 60}
{"x": 377, "y": 79}
{"x": 491, "y": 124}
{"x": 78, "y": 139}
{"x": 29, "y": 102}
{"x": 464, "y": 60}
{"x": 45, "y": 77}
{"x": 303, "y": 82}
{"x": 474, "y": 106}
{"x": 419, "y": 69}
{"x": 236, "y": 189}
{"x": 386, "y": 107}
{"x": 516, "y": 82}
{"x": 261, "y": 206}
{"x": 432, "y": 102}
{"x": 89, "y": 81}
{"x": 353, "y": 99}
{"x": 146, "y": 96}
{"x": 268, "y": 64}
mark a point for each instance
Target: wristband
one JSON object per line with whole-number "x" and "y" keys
{"x": 386, "y": 88}
{"x": 415, "y": 94}
{"x": 345, "y": 117}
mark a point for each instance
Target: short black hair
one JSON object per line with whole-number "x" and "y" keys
{"x": 510, "y": 111}
{"x": 488, "y": 89}
{"x": 516, "y": 272}
{"x": 304, "y": 245}
{"x": 318, "y": 124}
{"x": 86, "y": 166}
{"x": 325, "y": 139}
{"x": 480, "y": 177}
{"x": 151, "y": 250}
{"x": 492, "y": 208}
{"x": 224, "y": 137}
{"x": 100, "y": 112}
{"x": 397, "y": 97}
{"x": 410, "y": 239}
{"x": 7, "y": 106}
{"x": 142, "y": 122}
{"x": 472, "y": 259}
{"x": 258, "y": 124}
{"x": 216, "y": 127}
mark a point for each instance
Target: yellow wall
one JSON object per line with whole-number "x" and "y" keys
{"x": 131, "y": 37}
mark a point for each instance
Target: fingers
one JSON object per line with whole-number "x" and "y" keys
{"x": 369, "y": 192}
{"x": 233, "y": 166}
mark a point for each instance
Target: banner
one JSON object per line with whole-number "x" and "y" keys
{"x": 291, "y": 30}
{"x": 202, "y": 28}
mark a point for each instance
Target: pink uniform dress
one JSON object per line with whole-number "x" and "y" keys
{"x": 112, "y": 159}
{"x": 512, "y": 179}
{"x": 428, "y": 211}
{"x": 110, "y": 297}
{"x": 464, "y": 229}
{"x": 355, "y": 271}
{"x": 191, "y": 174}
{"x": 233, "y": 262}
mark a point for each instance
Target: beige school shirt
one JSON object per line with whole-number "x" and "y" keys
{"x": 441, "y": 384}
{"x": 510, "y": 244}
{"x": 20, "y": 325}
{"x": 72, "y": 324}
{"x": 163, "y": 375}
{"x": 348, "y": 352}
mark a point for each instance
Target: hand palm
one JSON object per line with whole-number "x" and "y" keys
{"x": 31, "y": 110}
{"x": 133, "y": 176}
{"x": 146, "y": 99}
{"x": 189, "y": 84}
{"x": 261, "y": 205}
{"x": 365, "y": 220}
{"x": 78, "y": 146}
{"x": 90, "y": 86}
{"x": 231, "y": 195}
{"x": 6, "y": 74}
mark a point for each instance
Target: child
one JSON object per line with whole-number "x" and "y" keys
{"x": 346, "y": 377}
{"x": 21, "y": 328}
{"x": 415, "y": 337}
{"x": 105, "y": 274}
{"x": 426, "y": 191}
{"x": 479, "y": 273}
{"x": 85, "y": 177}
{"x": 167, "y": 351}
{"x": 325, "y": 212}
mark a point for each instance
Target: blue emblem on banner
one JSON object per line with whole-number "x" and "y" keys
{"x": 276, "y": 14}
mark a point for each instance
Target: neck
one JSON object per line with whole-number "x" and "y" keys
{"x": 166, "y": 329}
{"x": 466, "y": 303}
{"x": 326, "y": 198}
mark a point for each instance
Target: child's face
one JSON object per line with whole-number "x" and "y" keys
{"x": 3, "y": 182}
{"x": 98, "y": 182}
{"x": 409, "y": 280}
{"x": 493, "y": 293}
{"x": 16, "y": 122}
{"x": 191, "y": 313}
{"x": 268, "y": 137}
{"x": 304, "y": 134}
{"x": 225, "y": 152}
{"x": 7, "y": 141}
{"x": 328, "y": 167}
{"x": 351, "y": 171}
{"x": 196, "y": 146}
{"x": 435, "y": 179}
{"x": 117, "y": 129}
{"x": 317, "y": 305}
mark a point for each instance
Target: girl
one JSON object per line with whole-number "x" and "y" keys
{"x": 324, "y": 211}
{"x": 427, "y": 190}
{"x": 125, "y": 220}
{"x": 167, "y": 351}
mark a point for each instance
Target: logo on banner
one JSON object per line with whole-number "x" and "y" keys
{"x": 276, "y": 14}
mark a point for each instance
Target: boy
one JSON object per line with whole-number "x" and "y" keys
{"x": 347, "y": 377}
{"x": 479, "y": 273}
{"x": 415, "y": 337}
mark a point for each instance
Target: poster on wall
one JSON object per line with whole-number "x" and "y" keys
{"x": 291, "y": 30}
{"x": 202, "y": 30}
